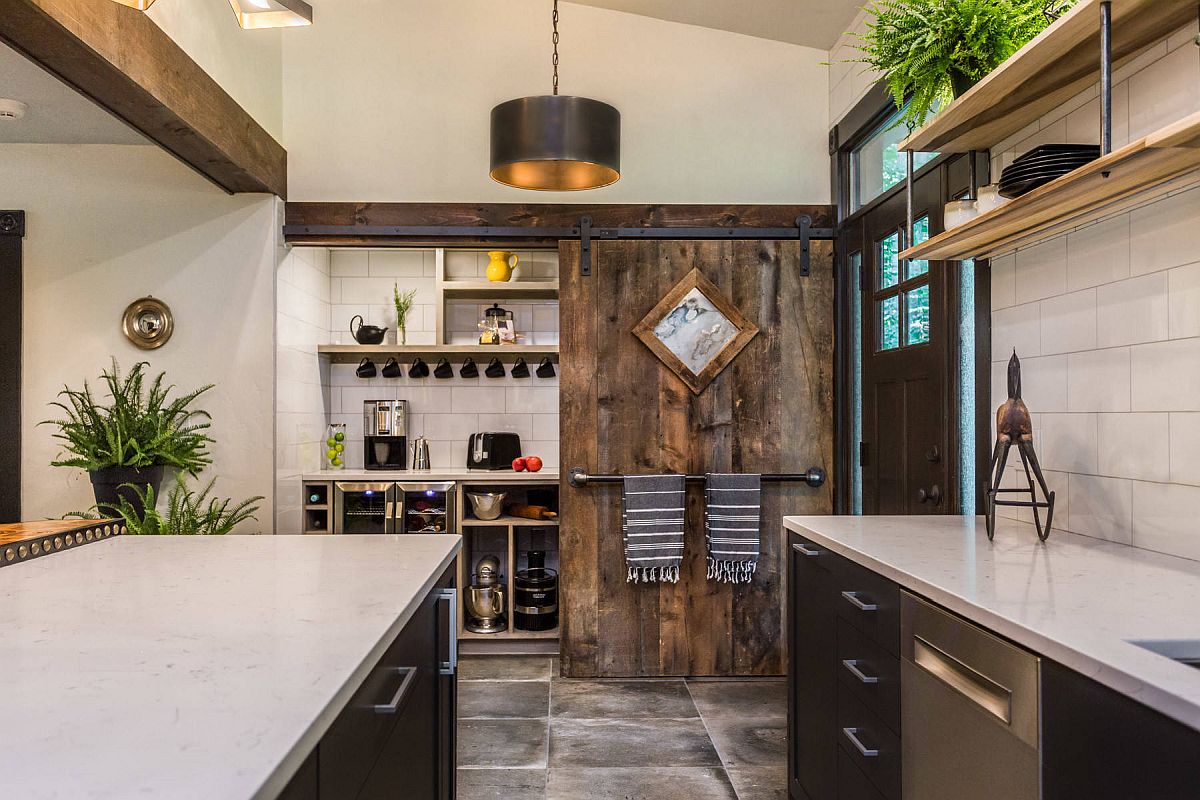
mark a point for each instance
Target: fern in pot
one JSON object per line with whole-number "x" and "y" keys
{"x": 129, "y": 442}
{"x": 931, "y": 51}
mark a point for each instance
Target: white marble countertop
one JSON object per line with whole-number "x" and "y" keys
{"x": 193, "y": 666}
{"x": 1075, "y": 600}
{"x": 466, "y": 475}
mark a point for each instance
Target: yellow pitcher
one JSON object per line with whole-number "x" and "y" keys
{"x": 500, "y": 268}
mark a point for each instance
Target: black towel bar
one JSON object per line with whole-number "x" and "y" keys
{"x": 814, "y": 477}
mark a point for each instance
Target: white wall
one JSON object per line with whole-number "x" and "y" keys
{"x": 1106, "y": 320}
{"x": 389, "y": 101}
{"x": 848, "y": 82}
{"x": 108, "y": 224}
{"x": 247, "y": 64}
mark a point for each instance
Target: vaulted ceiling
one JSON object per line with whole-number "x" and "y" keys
{"x": 813, "y": 23}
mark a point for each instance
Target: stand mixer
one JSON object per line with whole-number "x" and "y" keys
{"x": 484, "y": 598}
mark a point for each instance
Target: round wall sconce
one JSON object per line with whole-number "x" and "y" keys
{"x": 148, "y": 323}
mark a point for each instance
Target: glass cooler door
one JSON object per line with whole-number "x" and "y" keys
{"x": 364, "y": 508}
{"x": 425, "y": 507}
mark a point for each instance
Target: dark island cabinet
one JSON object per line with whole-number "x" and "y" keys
{"x": 843, "y": 678}
{"x": 395, "y": 739}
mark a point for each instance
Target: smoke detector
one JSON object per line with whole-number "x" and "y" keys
{"x": 12, "y": 109}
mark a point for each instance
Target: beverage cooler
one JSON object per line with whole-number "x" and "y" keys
{"x": 386, "y": 507}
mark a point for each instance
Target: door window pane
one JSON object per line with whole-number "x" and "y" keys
{"x": 856, "y": 379}
{"x": 877, "y": 164}
{"x": 916, "y": 309}
{"x": 889, "y": 323}
{"x": 889, "y": 261}
{"x": 920, "y": 235}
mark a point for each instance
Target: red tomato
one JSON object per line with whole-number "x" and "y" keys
{"x": 519, "y": 464}
{"x": 533, "y": 463}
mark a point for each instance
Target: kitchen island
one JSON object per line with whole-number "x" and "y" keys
{"x": 198, "y": 667}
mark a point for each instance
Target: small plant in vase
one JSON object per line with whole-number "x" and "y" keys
{"x": 188, "y": 513}
{"x": 931, "y": 51}
{"x": 404, "y": 304}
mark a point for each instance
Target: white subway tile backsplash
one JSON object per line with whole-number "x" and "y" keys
{"x": 1134, "y": 446}
{"x": 1067, "y": 442}
{"x": 400, "y": 263}
{"x": 1166, "y": 376}
{"x": 477, "y": 399}
{"x": 1183, "y": 301}
{"x": 1185, "y": 448}
{"x": 1016, "y": 328}
{"x": 1132, "y": 311}
{"x": 534, "y": 399}
{"x": 450, "y": 427}
{"x": 1101, "y": 507}
{"x": 1041, "y": 270}
{"x": 1098, "y": 380}
{"x": 1098, "y": 254}
{"x": 520, "y": 424}
{"x": 1068, "y": 322}
{"x": 1043, "y": 383}
{"x": 1004, "y": 288}
{"x": 1165, "y": 91}
{"x": 1164, "y": 518}
{"x": 1165, "y": 234}
{"x": 348, "y": 263}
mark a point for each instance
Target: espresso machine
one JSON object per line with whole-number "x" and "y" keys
{"x": 484, "y": 598}
{"x": 385, "y": 431}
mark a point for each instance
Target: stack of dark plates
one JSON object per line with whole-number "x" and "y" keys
{"x": 1042, "y": 165}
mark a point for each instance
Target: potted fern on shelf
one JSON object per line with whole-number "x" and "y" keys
{"x": 134, "y": 438}
{"x": 931, "y": 51}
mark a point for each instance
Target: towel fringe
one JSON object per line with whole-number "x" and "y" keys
{"x": 653, "y": 574}
{"x": 727, "y": 571}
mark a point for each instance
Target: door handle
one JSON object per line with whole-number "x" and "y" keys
{"x": 934, "y": 495}
{"x": 852, "y": 735}
{"x": 387, "y": 510}
{"x": 393, "y": 706}
{"x": 806, "y": 551}
{"x": 851, "y": 664}
{"x": 450, "y": 665}
{"x": 852, "y": 598}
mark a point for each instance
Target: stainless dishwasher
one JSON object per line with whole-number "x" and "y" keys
{"x": 969, "y": 709}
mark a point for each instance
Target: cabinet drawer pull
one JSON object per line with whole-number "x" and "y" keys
{"x": 852, "y": 735}
{"x": 806, "y": 551}
{"x": 410, "y": 675}
{"x": 852, "y": 598}
{"x": 450, "y": 665}
{"x": 852, "y": 665}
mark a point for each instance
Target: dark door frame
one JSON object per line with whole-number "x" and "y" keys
{"x": 857, "y": 126}
{"x": 12, "y": 230}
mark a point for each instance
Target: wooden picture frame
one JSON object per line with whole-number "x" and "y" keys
{"x": 671, "y": 302}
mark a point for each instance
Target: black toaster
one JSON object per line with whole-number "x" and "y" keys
{"x": 493, "y": 450}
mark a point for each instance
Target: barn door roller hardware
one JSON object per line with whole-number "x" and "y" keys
{"x": 803, "y": 232}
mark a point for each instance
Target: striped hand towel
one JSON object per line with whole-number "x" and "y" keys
{"x": 652, "y": 522}
{"x": 731, "y": 518}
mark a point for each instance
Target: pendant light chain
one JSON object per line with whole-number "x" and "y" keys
{"x": 554, "y": 19}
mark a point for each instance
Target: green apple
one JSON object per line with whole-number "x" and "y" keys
{"x": 339, "y": 447}
{"x": 340, "y": 436}
{"x": 337, "y": 462}
{"x": 331, "y": 453}
{"x": 331, "y": 441}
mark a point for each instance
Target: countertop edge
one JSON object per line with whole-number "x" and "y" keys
{"x": 1180, "y": 709}
{"x": 283, "y": 772}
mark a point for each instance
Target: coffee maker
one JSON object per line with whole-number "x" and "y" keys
{"x": 484, "y": 599}
{"x": 385, "y": 433}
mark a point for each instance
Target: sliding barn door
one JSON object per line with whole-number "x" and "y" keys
{"x": 623, "y": 411}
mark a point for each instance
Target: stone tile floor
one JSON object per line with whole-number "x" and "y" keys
{"x": 526, "y": 734}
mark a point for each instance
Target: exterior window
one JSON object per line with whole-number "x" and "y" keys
{"x": 901, "y": 295}
{"x": 877, "y": 164}
{"x": 856, "y": 261}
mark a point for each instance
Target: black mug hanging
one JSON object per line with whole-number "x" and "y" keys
{"x": 443, "y": 369}
{"x": 520, "y": 369}
{"x": 546, "y": 368}
{"x": 392, "y": 369}
{"x": 419, "y": 369}
{"x": 494, "y": 369}
{"x": 366, "y": 368}
{"x": 469, "y": 369}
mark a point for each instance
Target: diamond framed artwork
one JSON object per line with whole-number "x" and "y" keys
{"x": 695, "y": 330}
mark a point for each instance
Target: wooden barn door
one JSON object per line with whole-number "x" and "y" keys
{"x": 623, "y": 411}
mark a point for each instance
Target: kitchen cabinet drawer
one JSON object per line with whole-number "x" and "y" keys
{"x": 869, "y": 602}
{"x": 852, "y": 784}
{"x": 812, "y": 554}
{"x": 871, "y": 744}
{"x": 870, "y": 673}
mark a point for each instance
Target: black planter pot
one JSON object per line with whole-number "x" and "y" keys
{"x": 106, "y": 484}
{"x": 961, "y": 83}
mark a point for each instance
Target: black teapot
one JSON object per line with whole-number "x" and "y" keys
{"x": 366, "y": 334}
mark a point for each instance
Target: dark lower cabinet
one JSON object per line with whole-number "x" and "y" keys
{"x": 395, "y": 738}
{"x": 1100, "y": 744}
{"x": 843, "y": 676}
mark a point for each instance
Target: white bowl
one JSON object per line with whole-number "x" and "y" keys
{"x": 487, "y": 505}
{"x": 959, "y": 212}
{"x": 989, "y": 199}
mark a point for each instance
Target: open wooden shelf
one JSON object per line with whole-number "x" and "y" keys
{"x": 1163, "y": 162}
{"x": 488, "y": 290}
{"x": 509, "y": 634}
{"x": 504, "y": 520}
{"x": 1061, "y": 62}
{"x": 347, "y": 353}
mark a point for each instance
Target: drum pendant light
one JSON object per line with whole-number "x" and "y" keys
{"x": 556, "y": 142}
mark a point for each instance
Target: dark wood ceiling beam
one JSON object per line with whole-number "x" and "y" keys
{"x": 119, "y": 58}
